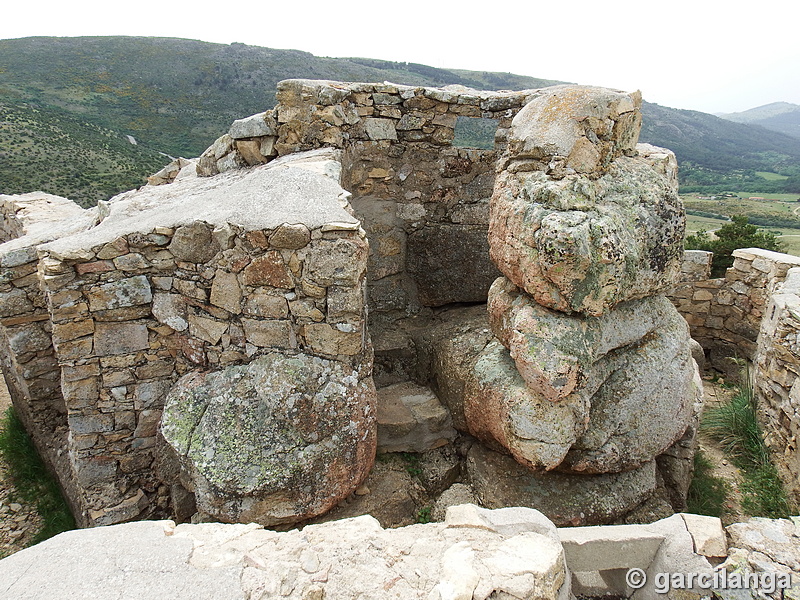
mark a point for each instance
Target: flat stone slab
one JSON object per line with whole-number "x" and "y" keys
{"x": 411, "y": 419}
{"x": 352, "y": 558}
{"x": 303, "y": 188}
{"x": 601, "y": 548}
{"x": 136, "y": 561}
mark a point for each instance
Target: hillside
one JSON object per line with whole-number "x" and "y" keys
{"x": 782, "y": 117}
{"x": 717, "y": 155}
{"x": 44, "y": 148}
{"x": 176, "y": 96}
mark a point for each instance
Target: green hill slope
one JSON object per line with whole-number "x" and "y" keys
{"x": 46, "y": 149}
{"x": 716, "y": 154}
{"x": 782, "y": 117}
{"x": 176, "y": 96}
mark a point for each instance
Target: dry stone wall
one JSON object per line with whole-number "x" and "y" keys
{"x": 422, "y": 200}
{"x": 725, "y": 313}
{"x": 156, "y": 292}
{"x": 751, "y": 314}
{"x": 775, "y": 375}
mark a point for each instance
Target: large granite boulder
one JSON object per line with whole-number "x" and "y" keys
{"x": 588, "y": 395}
{"x": 581, "y": 244}
{"x": 281, "y": 439}
{"x": 566, "y": 499}
{"x": 586, "y": 127}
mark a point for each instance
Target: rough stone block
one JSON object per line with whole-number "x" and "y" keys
{"x": 119, "y": 338}
{"x": 325, "y": 339}
{"x": 132, "y": 291}
{"x": 411, "y": 419}
{"x": 609, "y": 547}
{"x": 270, "y": 334}
{"x": 566, "y": 499}
{"x": 380, "y": 129}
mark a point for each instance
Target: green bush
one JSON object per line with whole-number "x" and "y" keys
{"x": 739, "y": 233}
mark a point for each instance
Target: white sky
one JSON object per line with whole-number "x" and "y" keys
{"x": 708, "y": 55}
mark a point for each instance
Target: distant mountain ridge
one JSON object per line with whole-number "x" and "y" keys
{"x": 783, "y": 117}
{"x": 176, "y": 96}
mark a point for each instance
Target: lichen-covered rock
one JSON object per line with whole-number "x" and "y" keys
{"x": 570, "y": 393}
{"x": 279, "y": 440}
{"x": 566, "y": 499}
{"x": 501, "y": 409}
{"x": 578, "y": 244}
{"x": 585, "y": 126}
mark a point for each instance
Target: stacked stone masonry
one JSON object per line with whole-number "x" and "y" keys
{"x": 423, "y": 201}
{"x": 751, "y": 315}
{"x": 155, "y": 292}
{"x": 153, "y": 307}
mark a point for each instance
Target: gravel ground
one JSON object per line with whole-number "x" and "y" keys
{"x": 19, "y": 522}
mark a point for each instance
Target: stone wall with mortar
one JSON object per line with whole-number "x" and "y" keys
{"x": 125, "y": 315}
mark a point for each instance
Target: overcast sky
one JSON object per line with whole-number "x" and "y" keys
{"x": 704, "y": 55}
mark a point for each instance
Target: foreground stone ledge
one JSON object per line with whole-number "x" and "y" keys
{"x": 481, "y": 554}
{"x": 475, "y": 554}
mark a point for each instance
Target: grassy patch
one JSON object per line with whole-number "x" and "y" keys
{"x": 735, "y": 425}
{"x": 707, "y": 493}
{"x": 32, "y": 482}
{"x": 412, "y": 463}
{"x": 771, "y": 176}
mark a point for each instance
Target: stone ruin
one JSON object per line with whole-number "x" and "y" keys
{"x": 209, "y": 346}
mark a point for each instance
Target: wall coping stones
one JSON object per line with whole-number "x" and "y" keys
{"x": 302, "y": 188}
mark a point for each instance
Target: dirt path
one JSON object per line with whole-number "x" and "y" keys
{"x": 723, "y": 469}
{"x": 19, "y": 521}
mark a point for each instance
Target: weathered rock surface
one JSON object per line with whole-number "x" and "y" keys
{"x": 411, "y": 419}
{"x": 480, "y": 554}
{"x": 579, "y": 410}
{"x": 281, "y": 439}
{"x": 503, "y": 411}
{"x": 566, "y": 499}
{"x": 454, "y": 345}
{"x": 36, "y": 214}
{"x": 586, "y": 126}
{"x": 578, "y": 244}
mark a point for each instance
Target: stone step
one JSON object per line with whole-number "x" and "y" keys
{"x": 412, "y": 419}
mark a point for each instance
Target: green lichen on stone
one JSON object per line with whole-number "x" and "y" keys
{"x": 265, "y": 425}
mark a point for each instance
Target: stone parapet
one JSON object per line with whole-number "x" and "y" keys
{"x": 265, "y": 260}
{"x": 725, "y": 314}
